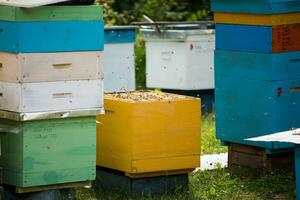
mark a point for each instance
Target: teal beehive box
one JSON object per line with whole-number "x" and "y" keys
{"x": 47, "y": 152}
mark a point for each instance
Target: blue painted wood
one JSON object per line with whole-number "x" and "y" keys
{"x": 257, "y": 66}
{"x": 124, "y": 35}
{"x": 244, "y": 38}
{"x": 33, "y": 37}
{"x": 297, "y": 168}
{"x": 249, "y": 108}
{"x": 256, "y": 6}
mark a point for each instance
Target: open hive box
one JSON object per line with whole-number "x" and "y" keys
{"x": 149, "y": 133}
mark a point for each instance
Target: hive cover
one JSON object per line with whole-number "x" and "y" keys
{"x": 29, "y": 3}
{"x": 292, "y": 136}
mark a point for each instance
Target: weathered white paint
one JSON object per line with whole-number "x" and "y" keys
{"x": 45, "y": 67}
{"x": 181, "y": 65}
{"x": 119, "y": 67}
{"x": 51, "y": 96}
{"x": 29, "y": 3}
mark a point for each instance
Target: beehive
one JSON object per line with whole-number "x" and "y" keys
{"x": 47, "y": 152}
{"x": 247, "y": 108}
{"x": 256, "y": 6}
{"x": 148, "y": 133}
{"x": 265, "y": 39}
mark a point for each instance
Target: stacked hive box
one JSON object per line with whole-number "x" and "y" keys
{"x": 257, "y": 74}
{"x": 119, "y": 62}
{"x": 50, "y": 92}
{"x": 147, "y": 134}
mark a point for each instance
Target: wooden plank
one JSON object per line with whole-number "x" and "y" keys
{"x": 256, "y": 19}
{"x": 49, "y": 152}
{"x": 29, "y": 3}
{"x": 43, "y": 67}
{"x": 54, "y": 187}
{"x": 235, "y": 147}
{"x": 51, "y": 96}
{"x": 51, "y": 13}
{"x": 43, "y": 37}
{"x": 161, "y": 173}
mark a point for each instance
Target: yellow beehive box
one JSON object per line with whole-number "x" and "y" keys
{"x": 148, "y": 133}
{"x": 257, "y": 19}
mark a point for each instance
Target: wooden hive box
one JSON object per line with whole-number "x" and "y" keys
{"x": 264, "y": 39}
{"x": 256, "y": 19}
{"x": 51, "y": 13}
{"x": 248, "y": 108}
{"x": 48, "y": 152}
{"x": 147, "y": 134}
{"x": 51, "y": 96}
{"x": 46, "y": 67}
{"x": 256, "y": 6}
{"x": 51, "y": 36}
{"x": 257, "y": 66}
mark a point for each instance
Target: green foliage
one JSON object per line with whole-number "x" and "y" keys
{"x": 140, "y": 62}
{"x": 126, "y": 11}
{"x": 209, "y": 143}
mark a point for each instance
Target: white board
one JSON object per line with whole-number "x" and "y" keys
{"x": 46, "y": 67}
{"x": 51, "y": 96}
{"x": 292, "y": 136}
{"x": 29, "y": 3}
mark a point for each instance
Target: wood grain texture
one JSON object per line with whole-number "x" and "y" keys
{"x": 149, "y": 136}
{"x": 49, "y": 152}
{"x": 51, "y": 13}
{"x": 51, "y": 96}
{"x": 57, "y": 36}
{"x": 45, "y": 67}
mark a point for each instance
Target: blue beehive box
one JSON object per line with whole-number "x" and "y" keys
{"x": 265, "y": 39}
{"x": 256, "y": 6}
{"x": 247, "y": 108}
{"x": 257, "y": 66}
{"x": 41, "y": 37}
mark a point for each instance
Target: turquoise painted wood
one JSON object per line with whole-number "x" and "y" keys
{"x": 244, "y": 38}
{"x": 248, "y": 108}
{"x": 48, "y": 152}
{"x": 257, "y": 66}
{"x": 297, "y": 168}
{"x": 256, "y": 6}
{"x": 115, "y": 35}
{"x": 33, "y": 37}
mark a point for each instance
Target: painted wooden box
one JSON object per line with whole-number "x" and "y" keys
{"x": 44, "y": 67}
{"x": 48, "y": 152}
{"x": 146, "y": 133}
{"x": 265, "y": 39}
{"x": 119, "y": 63}
{"x": 256, "y": 19}
{"x": 257, "y": 66}
{"x": 180, "y": 59}
{"x": 51, "y": 96}
{"x": 51, "y": 13}
{"x": 256, "y": 6}
{"x": 247, "y": 108}
{"x": 41, "y": 37}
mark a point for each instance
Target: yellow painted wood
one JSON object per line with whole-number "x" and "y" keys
{"x": 257, "y": 19}
{"x": 151, "y": 136}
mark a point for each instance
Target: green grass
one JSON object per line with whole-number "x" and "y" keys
{"x": 220, "y": 185}
{"x": 209, "y": 143}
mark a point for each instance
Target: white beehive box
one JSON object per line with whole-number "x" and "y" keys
{"x": 45, "y": 67}
{"x": 51, "y": 96}
{"x": 119, "y": 59}
{"x": 180, "y": 59}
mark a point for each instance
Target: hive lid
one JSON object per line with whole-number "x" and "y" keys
{"x": 29, "y": 3}
{"x": 292, "y": 136}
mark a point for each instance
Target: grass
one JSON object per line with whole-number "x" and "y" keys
{"x": 217, "y": 184}
{"x": 209, "y": 143}
{"x": 220, "y": 185}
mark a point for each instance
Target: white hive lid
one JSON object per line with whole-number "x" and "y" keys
{"x": 29, "y": 3}
{"x": 292, "y": 136}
